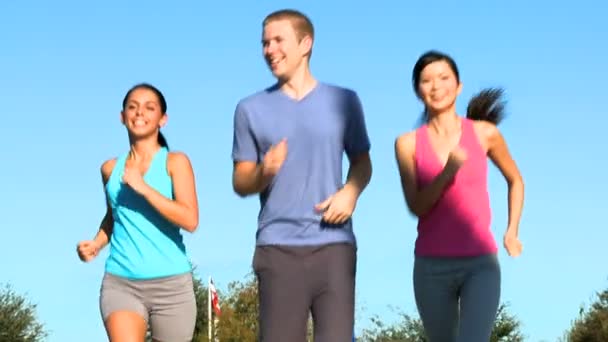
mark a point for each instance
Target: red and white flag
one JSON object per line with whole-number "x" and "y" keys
{"x": 215, "y": 300}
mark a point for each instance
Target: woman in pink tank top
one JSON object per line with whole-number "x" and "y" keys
{"x": 443, "y": 169}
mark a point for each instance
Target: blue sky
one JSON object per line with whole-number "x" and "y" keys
{"x": 65, "y": 67}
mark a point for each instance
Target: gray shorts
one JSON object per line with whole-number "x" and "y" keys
{"x": 167, "y": 304}
{"x": 296, "y": 281}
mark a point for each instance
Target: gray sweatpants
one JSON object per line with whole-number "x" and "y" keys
{"x": 457, "y": 298}
{"x": 166, "y": 304}
{"x": 296, "y": 281}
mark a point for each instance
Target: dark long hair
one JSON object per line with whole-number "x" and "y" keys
{"x": 487, "y": 105}
{"x": 161, "y": 100}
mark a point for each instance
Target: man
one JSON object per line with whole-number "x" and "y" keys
{"x": 289, "y": 141}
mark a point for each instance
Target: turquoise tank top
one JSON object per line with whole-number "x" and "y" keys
{"x": 144, "y": 245}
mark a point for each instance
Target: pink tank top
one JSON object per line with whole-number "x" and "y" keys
{"x": 459, "y": 223}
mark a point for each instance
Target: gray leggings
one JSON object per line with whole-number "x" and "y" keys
{"x": 457, "y": 298}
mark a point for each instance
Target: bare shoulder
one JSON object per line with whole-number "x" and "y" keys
{"x": 406, "y": 143}
{"x": 106, "y": 168}
{"x": 178, "y": 160}
{"x": 485, "y": 127}
{"x": 487, "y": 132}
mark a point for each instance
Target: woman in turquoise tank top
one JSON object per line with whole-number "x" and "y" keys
{"x": 443, "y": 169}
{"x": 151, "y": 197}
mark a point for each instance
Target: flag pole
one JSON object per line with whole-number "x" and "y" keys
{"x": 209, "y": 318}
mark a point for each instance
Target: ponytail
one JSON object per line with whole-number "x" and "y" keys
{"x": 162, "y": 141}
{"x": 487, "y": 105}
{"x": 424, "y": 117}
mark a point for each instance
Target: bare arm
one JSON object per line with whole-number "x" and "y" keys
{"x": 340, "y": 206}
{"x": 359, "y": 174}
{"x": 88, "y": 250}
{"x": 183, "y": 209}
{"x": 420, "y": 202}
{"x": 107, "y": 223}
{"x": 251, "y": 175}
{"x": 248, "y": 178}
{"x": 102, "y": 238}
{"x": 498, "y": 152}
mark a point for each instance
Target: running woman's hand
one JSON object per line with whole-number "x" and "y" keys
{"x": 456, "y": 159}
{"x": 274, "y": 158}
{"x": 339, "y": 207}
{"x": 512, "y": 243}
{"x": 88, "y": 250}
{"x": 133, "y": 177}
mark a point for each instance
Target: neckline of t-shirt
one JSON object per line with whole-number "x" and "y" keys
{"x": 310, "y": 94}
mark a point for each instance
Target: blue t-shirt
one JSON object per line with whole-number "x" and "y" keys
{"x": 144, "y": 244}
{"x": 319, "y": 129}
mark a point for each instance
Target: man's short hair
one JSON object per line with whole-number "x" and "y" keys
{"x": 300, "y": 22}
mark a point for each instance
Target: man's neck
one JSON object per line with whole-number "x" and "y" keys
{"x": 299, "y": 84}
